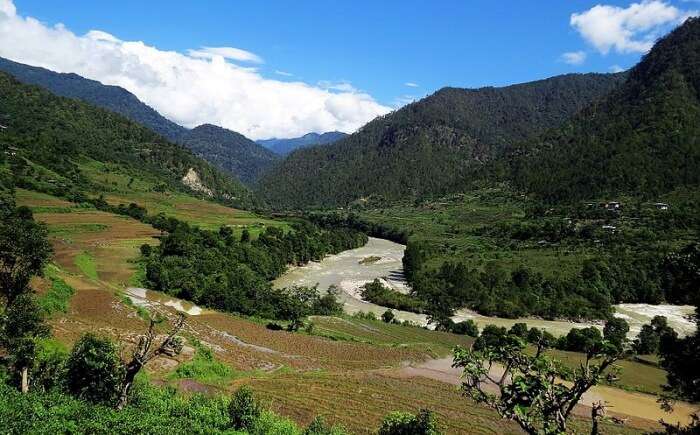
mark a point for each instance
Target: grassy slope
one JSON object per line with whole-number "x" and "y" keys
{"x": 447, "y": 226}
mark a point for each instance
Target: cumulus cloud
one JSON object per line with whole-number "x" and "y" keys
{"x": 574, "y": 57}
{"x": 627, "y": 30}
{"x": 200, "y": 86}
{"x": 284, "y": 73}
{"x": 616, "y": 69}
{"x": 411, "y": 84}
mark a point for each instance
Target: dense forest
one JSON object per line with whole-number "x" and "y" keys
{"x": 643, "y": 139}
{"x": 429, "y": 147}
{"x": 47, "y": 137}
{"x": 229, "y": 151}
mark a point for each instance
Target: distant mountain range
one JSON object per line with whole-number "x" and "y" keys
{"x": 432, "y": 146}
{"x": 226, "y": 149}
{"x": 286, "y": 146}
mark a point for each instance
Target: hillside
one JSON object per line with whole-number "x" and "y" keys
{"x": 229, "y": 151}
{"x": 226, "y": 149}
{"x": 113, "y": 98}
{"x": 286, "y": 146}
{"x": 428, "y": 147}
{"x": 50, "y": 143}
{"x": 644, "y": 139}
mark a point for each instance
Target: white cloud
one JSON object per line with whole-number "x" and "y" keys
{"x": 284, "y": 73}
{"x": 411, "y": 84}
{"x": 231, "y": 53}
{"x": 616, "y": 69}
{"x": 194, "y": 88}
{"x": 627, "y": 30}
{"x": 574, "y": 57}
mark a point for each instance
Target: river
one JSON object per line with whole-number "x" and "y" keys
{"x": 382, "y": 259}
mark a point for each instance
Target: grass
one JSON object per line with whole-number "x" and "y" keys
{"x": 204, "y": 367}
{"x": 87, "y": 265}
{"x": 58, "y": 296}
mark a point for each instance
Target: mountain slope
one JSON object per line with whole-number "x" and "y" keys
{"x": 113, "y": 98}
{"x": 229, "y": 151}
{"x": 644, "y": 139}
{"x": 247, "y": 158}
{"x": 286, "y": 146}
{"x": 48, "y": 142}
{"x": 430, "y": 146}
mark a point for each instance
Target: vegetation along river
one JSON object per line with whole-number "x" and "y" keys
{"x": 380, "y": 258}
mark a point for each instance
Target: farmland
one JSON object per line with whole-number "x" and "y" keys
{"x": 345, "y": 368}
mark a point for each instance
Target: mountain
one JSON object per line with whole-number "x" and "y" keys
{"x": 643, "y": 139}
{"x": 286, "y": 146}
{"x": 57, "y": 144}
{"x": 229, "y": 151}
{"x": 246, "y": 158}
{"x": 113, "y": 98}
{"x": 430, "y": 146}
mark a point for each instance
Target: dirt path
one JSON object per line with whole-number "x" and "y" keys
{"x": 620, "y": 402}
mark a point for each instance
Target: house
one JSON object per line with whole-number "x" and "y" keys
{"x": 661, "y": 206}
{"x": 611, "y": 228}
{"x": 612, "y": 205}
{"x": 2, "y": 127}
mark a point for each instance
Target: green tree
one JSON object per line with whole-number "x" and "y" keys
{"x": 530, "y": 391}
{"x": 615, "y": 331}
{"x": 95, "y": 371}
{"x": 22, "y": 326}
{"x": 405, "y": 423}
{"x": 244, "y": 409}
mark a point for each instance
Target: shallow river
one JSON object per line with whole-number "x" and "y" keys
{"x": 383, "y": 260}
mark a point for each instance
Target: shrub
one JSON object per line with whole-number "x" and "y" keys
{"x": 94, "y": 369}
{"x": 244, "y": 409}
{"x": 404, "y": 423}
{"x": 388, "y": 316}
{"x": 467, "y": 327}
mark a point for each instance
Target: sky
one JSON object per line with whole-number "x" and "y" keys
{"x": 285, "y": 68}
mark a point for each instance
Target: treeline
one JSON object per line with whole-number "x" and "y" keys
{"x": 229, "y": 273}
{"x": 589, "y": 294}
{"x": 352, "y": 220}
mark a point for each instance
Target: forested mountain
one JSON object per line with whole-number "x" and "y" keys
{"x": 113, "y": 98}
{"x": 286, "y": 146}
{"x": 643, "y": 139}
{"x": 226, "y": 149}
{"x": 429, "y": 147}
{"x": 47, "y": 140}
{"x": 229, "y": 151}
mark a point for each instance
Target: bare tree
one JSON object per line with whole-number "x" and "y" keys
{"x": 529, "y": 389}
{"x": 146, "y": 351}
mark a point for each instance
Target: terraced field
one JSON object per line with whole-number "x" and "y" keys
{"x": 347, "y": 369}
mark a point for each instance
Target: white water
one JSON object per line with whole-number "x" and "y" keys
{"x": 345, "y": 271}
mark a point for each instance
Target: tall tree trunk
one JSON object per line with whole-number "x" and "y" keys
{"x": 131, "y": 371}
{"x": 25, "y": 379}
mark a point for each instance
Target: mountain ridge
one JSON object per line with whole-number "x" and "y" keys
{"x": 429, "y": 147}
{"x": 285, "y": 146}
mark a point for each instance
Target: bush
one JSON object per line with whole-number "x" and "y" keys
{"x": 404, "y": 423}
{"x": 388, "y": 316}
{"x": 95, "y": 371}
{"x": 467, "y": 327}
{"x": 244, "y": 409}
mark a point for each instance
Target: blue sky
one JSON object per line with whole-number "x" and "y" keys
{"x": 380, "y": 46}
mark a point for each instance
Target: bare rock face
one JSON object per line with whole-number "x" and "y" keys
{"x": 192, "y": 180}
